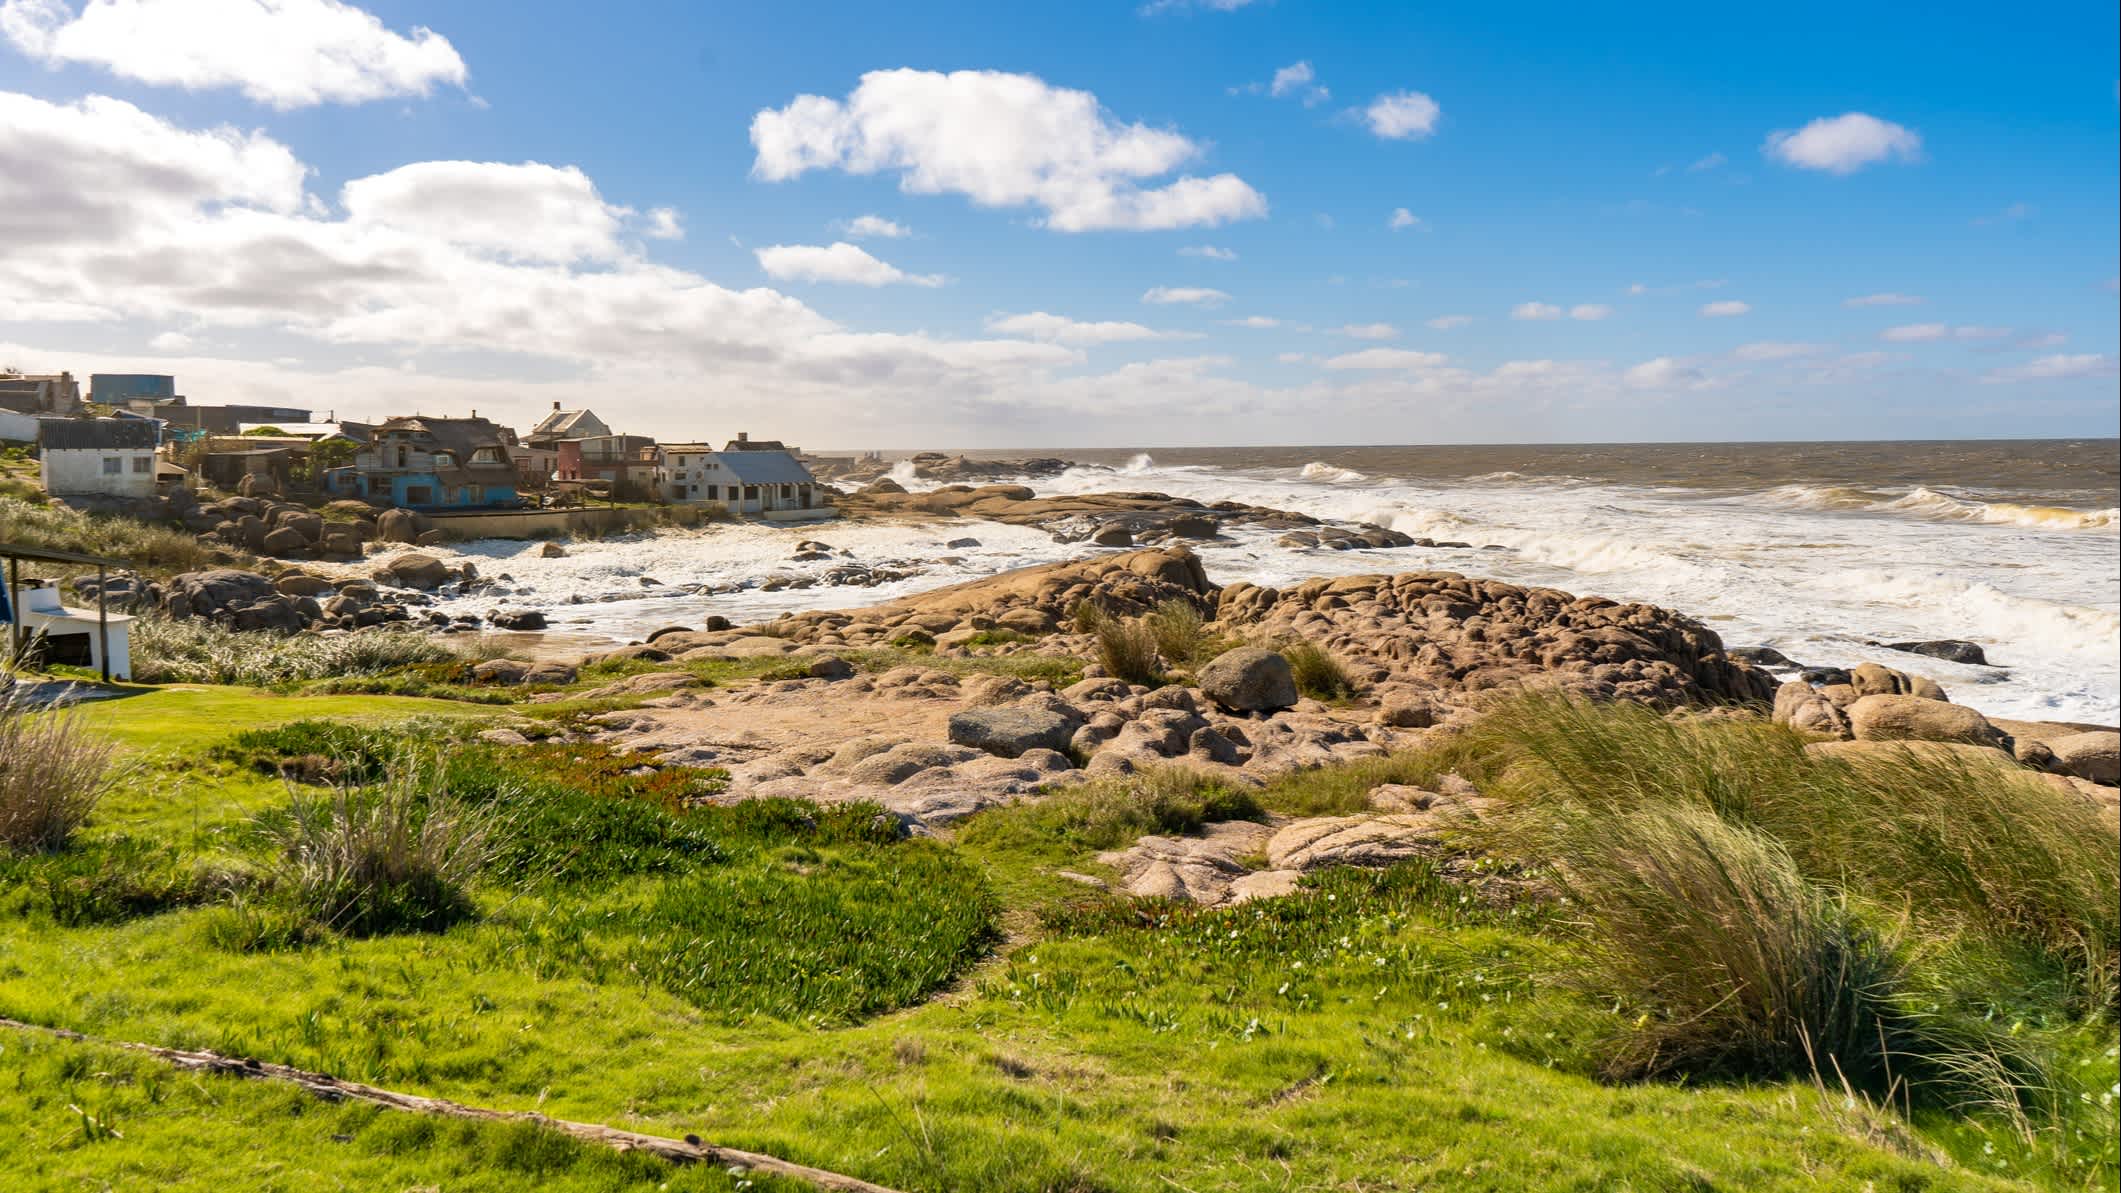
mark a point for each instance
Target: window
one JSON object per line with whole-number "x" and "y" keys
{"x": 112, "y": 465}
{"x": 751, "y": 492}
{"x": 445, "y": 460}
{"x": 419, "y": 495}
{"x": 487, "y": 455}
{"x": 714, "y": 492}
{"x": 143, "y": 464}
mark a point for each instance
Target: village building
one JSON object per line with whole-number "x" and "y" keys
{"x": 537, "y": 457}
{"x": 630, "y": 466}
{"x": 40, "y": 393}
{"x": 752, "y": 482}
{"x": 123, "y": 389}
{"x": 98, "y": 457}
{"x": 420, "y": 462}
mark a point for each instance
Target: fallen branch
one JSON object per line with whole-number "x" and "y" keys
{"x": 689, "y": 1150}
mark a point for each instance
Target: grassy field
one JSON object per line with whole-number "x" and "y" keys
{"x": 953, "y": 1016}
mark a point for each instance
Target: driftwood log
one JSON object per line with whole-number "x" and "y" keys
{"x": 689, "y": 1150}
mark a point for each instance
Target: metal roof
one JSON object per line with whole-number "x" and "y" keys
{"x": 766, "y": 468}
{"x": 92, "y": 433}
{"x": 46, "y": 555}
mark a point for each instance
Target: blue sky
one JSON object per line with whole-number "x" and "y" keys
{"x": 1619, "y": 223}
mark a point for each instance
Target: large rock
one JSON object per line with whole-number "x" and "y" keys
{"x": 1009, "y": 732}
{"x": 298, "y": 585}
{"x": 283, "y": 541}
{"x": 516, "y": 619}
{"x": 1951, "y": 650}
{"x": 1249, "y": 679}
{"x": 1353, "y": 841}
{"x": 1912, "y": 718}
{"x": 2095, "y": 756}
{"x": 397, "y": 526}
{"x": 1805, "y": 709}
{"x": 416, "y": 570}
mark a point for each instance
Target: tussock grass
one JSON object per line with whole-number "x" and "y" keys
{"x": 52, "y": 774}
{"x": 1339, "y": 790}
{"x": 1084, "y": 617}
{"x": 158, "y": 550}
{"x": 167, "y": 650}
{"x": 1109, "y": 813}
{"x": 104, "y": 880}
{"x": 1318, "y": 674}
{"x": 1126, "y": 649}
{"x": 1178, "y": 630}
{"x": 398, "y": 855}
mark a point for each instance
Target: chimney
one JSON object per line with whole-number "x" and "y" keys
{"x": 743, "y": 436}
{"x": 555, "y": 407}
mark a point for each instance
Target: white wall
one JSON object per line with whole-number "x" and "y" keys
{"x": 20, "y": 427}
{"x": 78, "y": 472}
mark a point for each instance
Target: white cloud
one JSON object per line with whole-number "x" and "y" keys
{"x": 2049, "y": 339}
{"x": 1710, "y": 162}
{"x": 1661, "y": 372}
{"x": 284, "y": 53}
{"x": 2056, "y": 368}
{"x": 1776, "y": 350}
{"x": 1535, "y": 311}
{"x": 1402, "y": 115}
{"x": 1883, "y": 300}
{"x": 1297, "y": 79}
{"x": 1843, "y": 144}
{"x": 1154, "y": 7}
{"x": 1201, "y": 296}
{"x": 835, "y": 262}
{"x": 1981, "y": 333}
{"x": 170, "y": 341}
{"x": 1915, "y": 333}
{"x": 1402, "y": 218}
{"x": 1059, "y": 329}
{"x": 1386, "y": 358}
{"x": 1207, "y": 252}
{"x": 527, "y": 212}
{"x": 1726, "y": 309}
{"x": 1368, "y": 331}
{"x": 1590, "y": 311}
{"x": 2009, "y": 215}
{"x": 1001, "y": 140}
{"x": 875, "y": 227}
{"x": 1254, "y": 322}
{"x": 1447, "y": 322}
{"x": 664, "y": 223}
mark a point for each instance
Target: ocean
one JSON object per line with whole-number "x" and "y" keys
{"x": 1816, "y": 549}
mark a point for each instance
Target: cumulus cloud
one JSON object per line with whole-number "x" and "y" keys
{"x": 875, "y": 227}
{"x": 1296, "y": 79}
{"x": 1447, "y": 322}
{"x": 1368, "y": 331}
{"x": 1590, "y": 311}
{"x": 1843, "y": 144}
{"x": 170, "y": 341}
{"x": 664, "y": 223}
{"x": 1199, "y": 296}
{"x": 1661, "y": 372}
{"x": 1726, "y": 309}
{"x": 836, "y": 262}
{"x": 1386, "y": 358}
{"x": 1535, "y": 311}
{"x": 1402, "y": 115}
{"x": 1403, "y": 219}
{"x": 2058, "y": 367}
{"x": 1882, "y": 300}
{"x": 529, "y": 212}
{"x": 283, "y": 53}
{"x": 1254, "y": 322}
{"x": 1915, "y": 333}
{"x": 1059, "y": 329}
{"x": 1001, "y": 140}
{"x": 1703, "y": 164}
{"x": 1207, "y": 252}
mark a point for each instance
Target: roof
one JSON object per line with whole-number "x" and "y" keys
{"x": 766, "y": 468}
{"x": 92, "y": 434}
{"x": 754, "y": 445}
{"x": 690, "y": 449}
{"x": 461, "y": 437}
{"x": 301, "y": 430}
{"x": 564, "y": 424}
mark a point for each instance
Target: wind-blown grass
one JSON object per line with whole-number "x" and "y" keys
{"x": 167, "y": 650}
{"x": 1318, "y": 674}
{"x": 1109, "y": 813}
{"x": 159, "y": 550}
{"x": 52, "y": 774}
{"x": 1126, "y": 649}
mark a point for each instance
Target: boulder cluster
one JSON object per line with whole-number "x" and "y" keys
{"x": 1113, "y": 519}
{"x": 283, "y": 530}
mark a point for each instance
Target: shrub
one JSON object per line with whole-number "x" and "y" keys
{"x": 158, "y": 549}
{"x": 1318, "y": 675}
{"x": 52, "y": 774}
{"x": 107, "y": 880}
{"x": 366, "y": 860}
{"x": 1127, "y": 650}
{"x": 1087, "y": 616}
{"x": 167, "y": 650}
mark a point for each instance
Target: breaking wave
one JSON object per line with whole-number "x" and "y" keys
{"x": 1923, "y": 502}
{"x": 1319, "y": 472}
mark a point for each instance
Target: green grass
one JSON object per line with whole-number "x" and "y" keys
{"x": 154, "y": 550}
{"x": 1318, "y": 674}
{"x": 165, "y": 650}
{"x": 798, "y": 980}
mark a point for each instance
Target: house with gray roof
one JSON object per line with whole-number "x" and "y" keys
{"x": 98, "y": 457}
{"x": 751, "y": 483}
{"x": 427, "y": 463}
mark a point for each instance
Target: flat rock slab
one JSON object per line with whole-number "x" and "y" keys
{"x": 1316, "y": 844}
{"x": 1199, "y": 869}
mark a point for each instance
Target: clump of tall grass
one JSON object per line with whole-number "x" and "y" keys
{"x": 1086, "y": 616}
{"x": 1126, "y": 649}
{"x": 1318, "y": 674}
{"x": 1966, "y": 843}
{"x": 53, "y": 772}
{"x": 397, "y": 855}
{"x": 1178, "y": 630}
{"x": 157, "y": 549}
{"x": 169, "y": 650}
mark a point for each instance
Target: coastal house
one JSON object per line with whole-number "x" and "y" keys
{"x": 421, "y": 462}
{"x": 40, "y": 393}
{"x": 754, "y": 482}
{"x": 123, "y": 389}
{"x": 98, "y": 457}
{"x": 537, "y": 457}
{"x": 631, "y": 465}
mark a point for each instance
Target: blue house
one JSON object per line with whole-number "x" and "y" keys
{"x": 424, "y": 463}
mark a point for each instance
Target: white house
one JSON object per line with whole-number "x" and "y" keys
{"x": 100, "y": 457}
{"x": 68, "y": 635}
{"x": 767, "y": 484}
{"x": 17, "y": 428}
